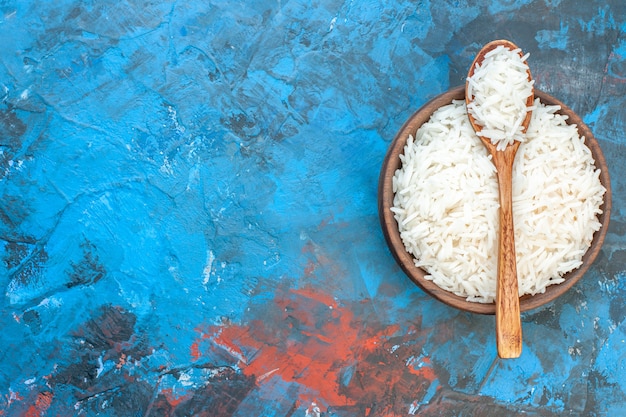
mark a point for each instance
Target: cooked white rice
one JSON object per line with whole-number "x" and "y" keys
{"x": 500, "y": 89}
{"x": 446, "y": 203}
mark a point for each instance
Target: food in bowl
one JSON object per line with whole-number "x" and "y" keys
{"x": 446, "y": 203}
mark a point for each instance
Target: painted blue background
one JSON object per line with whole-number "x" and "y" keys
{"x": 188, "y": 217}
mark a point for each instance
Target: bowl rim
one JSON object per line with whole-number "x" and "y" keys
{"x": 405, "y": 260}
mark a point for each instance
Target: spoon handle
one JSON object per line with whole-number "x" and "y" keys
{"x": 508, "y": 322}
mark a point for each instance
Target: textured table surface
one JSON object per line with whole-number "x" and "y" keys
{"x": 188, "y": 213}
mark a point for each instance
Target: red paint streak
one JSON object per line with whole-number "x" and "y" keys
{"x": 229, "y": 346}
{"x": 43, "y": 402}
{"x": 214, "y": 336}
{"x": 422, "y": 368}
{"x": 310, "y": 268}
{"x": 173, "y": 399}
{"x": 374, "y": 342}
{"x": 195, "y": 351}
{"x": 306, "y": 337}
{"x": 425, "y": 372}
{"x": 317, "y": 296}
{"x": 311, "y": 342}
{"x": 319, "y": 336}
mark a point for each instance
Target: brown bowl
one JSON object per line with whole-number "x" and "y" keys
{"x": 406, "y": 260}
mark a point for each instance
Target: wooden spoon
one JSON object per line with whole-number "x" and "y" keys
{"x": 508, "y": 322}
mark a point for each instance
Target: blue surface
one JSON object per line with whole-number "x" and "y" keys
{"x": 188, "y": 217}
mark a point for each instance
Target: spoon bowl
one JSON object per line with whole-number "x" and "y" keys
{"x": 480, "y": 57}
